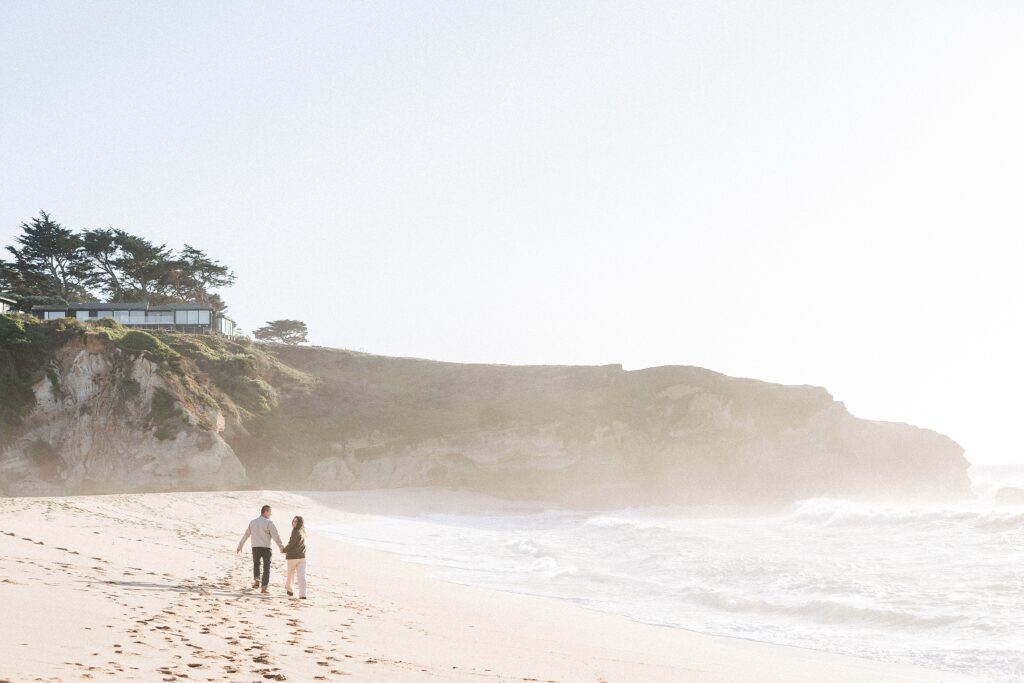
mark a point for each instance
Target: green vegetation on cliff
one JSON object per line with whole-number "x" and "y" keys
{"x": 358, "y": 394}
{"x": 137, "y": 342}
{"x": 202, "y": 372}
{"x": 26, "y": 350}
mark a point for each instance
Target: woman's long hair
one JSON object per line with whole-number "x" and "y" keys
{"x": 300, "y": 526}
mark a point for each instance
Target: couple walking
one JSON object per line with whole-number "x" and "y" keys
{"x": 262, "y": 531}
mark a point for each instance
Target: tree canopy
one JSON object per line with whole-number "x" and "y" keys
{"x": 52, "y": 264}
{"x": 289, "y": 332}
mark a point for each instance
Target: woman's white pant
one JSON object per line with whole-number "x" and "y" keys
{"x": 296, "y": 568}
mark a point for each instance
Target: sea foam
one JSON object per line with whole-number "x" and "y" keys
{"x": 938, "y": 586}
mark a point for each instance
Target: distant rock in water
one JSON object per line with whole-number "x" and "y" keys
{"x": 1010, "y": 496}
{"x": 101, "y": 409}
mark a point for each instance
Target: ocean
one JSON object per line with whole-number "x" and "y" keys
{"x": 939, "y": 586}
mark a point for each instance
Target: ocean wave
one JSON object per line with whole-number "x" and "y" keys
{"x": 824, "y": 611}
{"x": 680, "y": 527}
{"x": 834, "y": 512}
{"x": 823, "y": 512}
{"x": 610, "y": 522}
{"x": 921, "y": 584}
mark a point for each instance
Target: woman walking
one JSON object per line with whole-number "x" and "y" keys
{"x": 295, "y": 553}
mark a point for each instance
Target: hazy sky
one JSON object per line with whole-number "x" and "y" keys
{"x": 814, "y": 192}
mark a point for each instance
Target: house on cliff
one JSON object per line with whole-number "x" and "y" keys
{"x": 194, "y": 317}
{"x": 6, "y": 305}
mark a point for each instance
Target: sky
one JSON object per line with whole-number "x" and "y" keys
{"x": 824, "y": 193}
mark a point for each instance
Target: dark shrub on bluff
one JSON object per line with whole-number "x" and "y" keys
{"x": 137, "y": 341}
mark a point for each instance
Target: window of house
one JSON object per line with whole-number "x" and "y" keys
{"x": 137, "y": 317}
{"x": 121, "y": 316}
{"x": 204, "y": 317}
{"x": 193, "y": 317}
{"x": 53, "y": 315}
{"x": 105, "y": 314}
{"x": 82, "y": 315}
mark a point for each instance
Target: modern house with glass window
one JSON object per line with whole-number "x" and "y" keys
{"x": 194, "y": 317}
{"x": 6, "y": 305}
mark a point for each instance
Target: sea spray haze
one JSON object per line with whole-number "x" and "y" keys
{"x": 95, "y": 408}
{"x": 599, "y": 435}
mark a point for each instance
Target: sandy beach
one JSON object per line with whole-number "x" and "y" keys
{"x": 148, "y": 587}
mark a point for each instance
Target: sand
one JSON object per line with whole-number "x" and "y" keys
{"x": 148, "y": 587}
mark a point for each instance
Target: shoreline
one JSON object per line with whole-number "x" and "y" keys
{"x": 147, "y": 587}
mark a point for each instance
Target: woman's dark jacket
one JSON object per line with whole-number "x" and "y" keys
{"x": 296, "y": 548}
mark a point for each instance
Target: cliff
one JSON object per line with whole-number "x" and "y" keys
{"x": 105, "y": 409}
{"x": 102, "y": 409}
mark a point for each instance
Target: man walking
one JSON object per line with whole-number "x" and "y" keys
{"x": 262, "y": 531}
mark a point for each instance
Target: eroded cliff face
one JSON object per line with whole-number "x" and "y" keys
{"x": 105, "y": 411}
{"x": 105, "y": 421}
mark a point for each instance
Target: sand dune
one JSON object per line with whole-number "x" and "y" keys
{"x": 147, "y": 587}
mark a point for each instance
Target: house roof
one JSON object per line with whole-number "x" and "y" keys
{"x": 7, "y": 301}
{"x": 91, "y": 305}
{"x": 190, "y": 306}
{"x": 124, "y": 306}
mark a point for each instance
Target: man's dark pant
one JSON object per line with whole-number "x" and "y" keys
{"x": 261, "y": 555}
